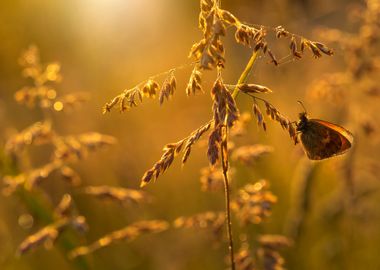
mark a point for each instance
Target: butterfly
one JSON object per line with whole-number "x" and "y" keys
{"x": 322, "y": 139}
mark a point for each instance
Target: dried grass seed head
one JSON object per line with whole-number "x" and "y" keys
{"x": 212, "y": 180}
{"x": 168, "y": 87}
{"x": 36, "y": 134}
{"x": 195, "y": 82}
{"x": 121, "y": 195}
{"x": 249, "y": 154}
{"x": 213, "y": 221}
{"x": 254, "y": 202}
{"x": 126, "y": 234}
{"x": 171, "y": 151}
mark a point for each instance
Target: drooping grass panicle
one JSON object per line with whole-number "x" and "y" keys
{"x": 259, "y": 116}
{"x": 128, "y": 233}
{"x": 240, "y": 126}
{"x": 273, "y": 113}
{"x": 225, "y": 113}
{"x": 213, "y": 22}
{"x": 150, "y": 88}
{"x": 171, "y": 151}
{"x": 209, "y": 54}
{"x": 254, "y": 202}
{"x": 168, "y": 87}
{"x": 122, "y": 195}
{"x": 211, "y": 178}
{"x": 43, "y": 93}
{"x": 265, "y": 253}
{"x": 66, "y": 149}
{"x": 194, "y": 137}
{"x": 28, "y": 180}
{"x": 244, "y": 258}
{"x": 72, "y": 148}
{"x": 195, "y": 81}
{"x": 269, "y": 251}
{"x": 38, "y": 133}
{"x": 249, "y": 154}
{"x": 47, "y": 235}
{"x": 214, "y": 143}
{"x": 213, "y": 221}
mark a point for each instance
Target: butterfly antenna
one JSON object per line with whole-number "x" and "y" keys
{"x": 300, "y": 102}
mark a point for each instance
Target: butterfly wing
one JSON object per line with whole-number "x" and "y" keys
{"x": 323, "y": 139}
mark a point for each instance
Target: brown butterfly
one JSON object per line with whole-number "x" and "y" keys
{"x": 322, "y": 139}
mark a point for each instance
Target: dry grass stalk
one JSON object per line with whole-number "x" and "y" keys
{"x": 275, "y": 242}
{"x": 48, "y": 235}
{"x": 171, "y": 151}
{"x": 212, "y": 179}
{"x": 213, "y": 221}
{"x": 275, "y": 115}
{"x": 125, "y": 100}
{"x": 128, "y": 233}
{"x": 72, "y": 148}
{"x": 210, "y": 50}
{"x": 331, "y": 87}
{"x": 240, "y": 126}
{"x": 209, "y": 54}
{"x": 32, "y": 67}
{"x": 268, "y": 253}
{"x": 42, "y": 93}
{"x": 244, "y": 259}
{"x": 192, "y": 139}
{"x": 214, "y": 142}
{"x": 259, "y": 116}
{"x": 45, "y": 236}
{"x": 213, "y": 21}
{"x": 315, "y": 47}
{"x": 36, "y": 134}
{"x": 270, "y": 259}
{"x": 70, "y": 176}
{"x": 149, "y": 88}
{"x": 168, "y": 87}
{"x": 66, "y": 149}
{"x": 121, "y": 195}
{"x": 225, "y": 114}
{"x": 224, "y": 107}
{"x": 254, "y": 203}
{"x": 31, "y": 96}
{"x": 253, "y": 88}
{"x": 64, "y": 207}
{"x": 70, "y": 102}
{"x": 266, "y": 256}
{"x": 45, "y": 96}
{"x": 195, "y": 82}
{"x": 29, "y": 180}
{"x": 249, "y": 154}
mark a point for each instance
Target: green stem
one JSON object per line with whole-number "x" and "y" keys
{"x": 244, "y": 76}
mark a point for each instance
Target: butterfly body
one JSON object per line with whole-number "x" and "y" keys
{"x": 322, "y": 139}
